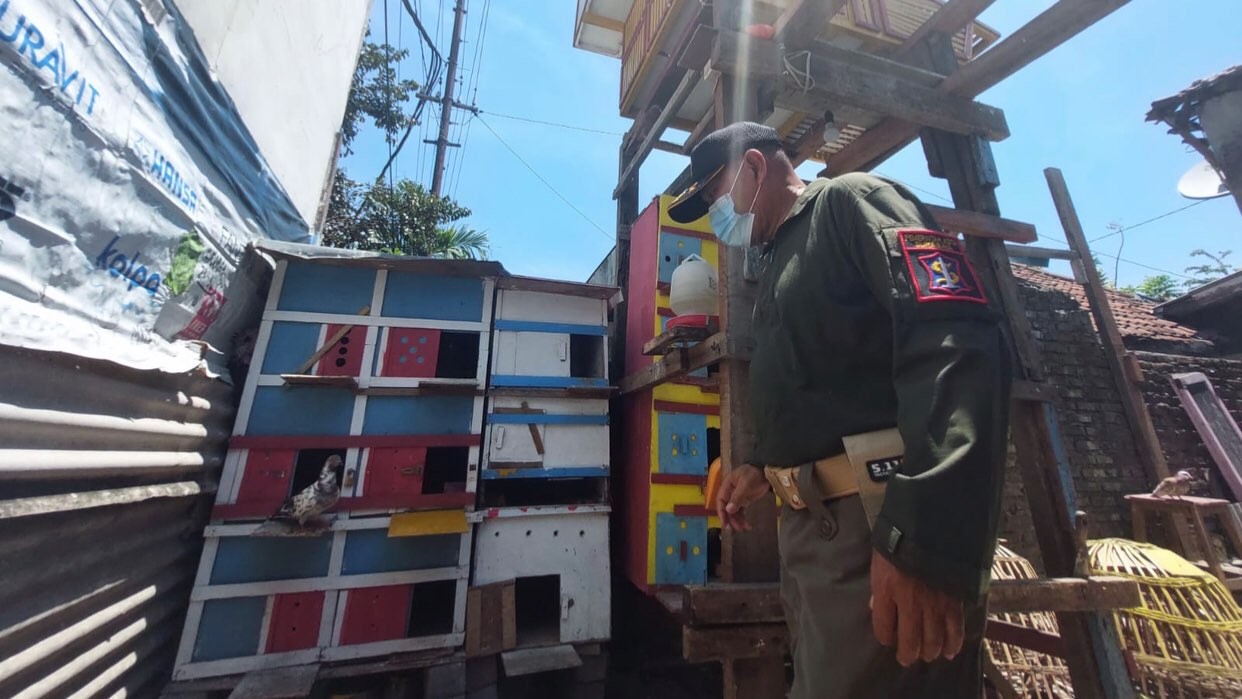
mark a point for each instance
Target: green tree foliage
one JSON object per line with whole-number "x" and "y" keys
{"x": 377, "y": 94}
{"x": 1160, "y": 287}
{"x": 403, "y": 218}
{"x": 1214, "y": 267}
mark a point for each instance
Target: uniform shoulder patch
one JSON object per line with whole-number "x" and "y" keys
{"x": 939, "y": 267}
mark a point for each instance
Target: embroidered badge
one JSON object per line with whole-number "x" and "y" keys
{"x": 881, "y": 470}
{"x": 939, "y": 268}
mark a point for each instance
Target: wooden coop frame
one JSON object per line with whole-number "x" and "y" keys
{"x": 917, "y": 90}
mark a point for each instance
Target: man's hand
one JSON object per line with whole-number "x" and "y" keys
{"x": 744, "y": 485}
{"x": 923, "y": 623}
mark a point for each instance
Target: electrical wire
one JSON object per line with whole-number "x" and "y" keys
{"x": 547, "y": 184}
{"x": 1143, "y": 223}
{"x": 553, "y": 123}
{"x": 928, "y": 192}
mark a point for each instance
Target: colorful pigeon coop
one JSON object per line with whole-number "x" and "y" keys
{"x": 672, "y": 431}
{"x": 383, "y": 362}
{"x": 544, "y": 486}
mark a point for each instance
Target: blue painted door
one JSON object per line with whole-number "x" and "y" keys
{"x": 682, "y": 443}
{"x": 681, "y": 550}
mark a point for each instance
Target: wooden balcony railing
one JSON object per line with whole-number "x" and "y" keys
{"x": 642, "y": 28}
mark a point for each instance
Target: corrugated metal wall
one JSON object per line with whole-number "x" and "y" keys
{"x": 106, "y": 476}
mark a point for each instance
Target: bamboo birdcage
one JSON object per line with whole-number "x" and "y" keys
{"x": 1032, "y": 674}
{"x": 1186, "y": 638}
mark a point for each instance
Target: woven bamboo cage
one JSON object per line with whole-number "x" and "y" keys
{"x": 1186, "y": 639}
{"x": 1031, "y": 674}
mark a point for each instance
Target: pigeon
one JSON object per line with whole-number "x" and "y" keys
{"x": 316, "y": 498}
{"x": 1174, "y": 486}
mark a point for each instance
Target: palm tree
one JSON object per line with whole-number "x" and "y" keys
{"x": 459, "y": 243}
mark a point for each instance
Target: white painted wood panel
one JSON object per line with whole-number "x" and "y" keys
{"x": 552, "y": 308}
{"x": 575, "y": 445}
{"x": 553, "y": 406}
{"x": 573, "y": 546}
{"x": 512, "y": 443}
{"x": 531, "y": 354}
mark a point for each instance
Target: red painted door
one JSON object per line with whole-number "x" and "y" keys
{"x": 394, "y": 471}
{"x": 295, "y": 621}
{"x": 266, "y": 475}
{"x": 411, "y": 353}
{"x": 345, "y": 357}
{"x": 376, "y": 614}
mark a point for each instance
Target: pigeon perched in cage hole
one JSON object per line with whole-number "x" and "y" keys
{"x": 316, "y": 498}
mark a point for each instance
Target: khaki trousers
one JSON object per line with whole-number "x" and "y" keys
{"x": 826, "y": 589}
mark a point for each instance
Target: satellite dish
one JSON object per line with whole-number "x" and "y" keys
{"x": 1201, "y": 182}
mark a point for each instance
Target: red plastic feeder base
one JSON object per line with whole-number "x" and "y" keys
{"x": 691, "y": 321}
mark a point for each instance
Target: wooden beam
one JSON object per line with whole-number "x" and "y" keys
{"x": 1034, "y": 251}
{"x": 712, "y": 350}
{"x": 615, "y": 25}
{"x": 949, "y": 20}
{"x": 981, "y": 225}
{"x": 734, "y": 642}
{"x": 735, "y": 53}
{"x": 803, "y": 20}
{"x": 1115, "y": 352}
{"x": 678, "y": 98}
{"x": 1025, "y": 637}
{"x": 888, "y": 94}
{"x": 1056, "y": 25}
{"x": 1098, "y": 592}
{"x": 707, "y": 123}
{"x": 706, "y": 605}
{"x": 336, "y": 337}
{"x": 808, "y": 144}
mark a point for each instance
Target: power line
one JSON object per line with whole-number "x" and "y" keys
{"x": 1140, "y": 264}
{"x": 541, "y": 179}
{"x": 1143, "y": 223}
{"x": 920, "y": 189}
{"x": 553, "y": 123}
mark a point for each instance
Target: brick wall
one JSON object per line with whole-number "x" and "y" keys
{"x": 1182, "y": 445}
{"x": 1097, "y": 439}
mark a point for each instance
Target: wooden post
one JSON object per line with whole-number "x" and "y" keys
{"x": 1096, "y": 666}
{"x": 750, "y": 556}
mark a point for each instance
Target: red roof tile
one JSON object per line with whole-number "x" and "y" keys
{"x": 1136, "y": 318}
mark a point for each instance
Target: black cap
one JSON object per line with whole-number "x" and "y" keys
{"x": 711, "y": 155}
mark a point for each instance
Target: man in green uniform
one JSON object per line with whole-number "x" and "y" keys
{"x": 867, "y": 317}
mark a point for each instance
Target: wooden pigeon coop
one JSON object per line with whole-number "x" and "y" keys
{"x": 870, "y": 76}
{"x": 400, "y": 366}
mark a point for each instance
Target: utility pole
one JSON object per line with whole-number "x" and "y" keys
{"x": 446, "y": 101}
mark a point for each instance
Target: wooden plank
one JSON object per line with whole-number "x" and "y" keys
{"x": 336, "y": 337}
{"x": 1025, "y": 637}
{"x": 1034, "y": 251}
{"x": 683, "y": 361}
{"x": 836, "y": 83}
{"x": 1053, "y": 27}
{"x": 491, "y": 621}
{"x": 529, "y": 661}
{"x": 423, "y": 389}
{"x": 734, "y": 642}
{"x": 803, "y": 20}
{"x": 981, "y": 225}
{"x": 951, "y": 18}
{"x": 1031, "y": 391}
{"x": 660, "y": 344}
{"x": 752, "y": 603}
{"x": 277, "y": 683}
{"x": 701, "y": 129}
{"x": 675, "y": 101}
{"x": 350, "y": 382}
{"x": 745, "y": 678}
{"x": 1115, "y": 351}
{"x": 428, "y": 523}
{"x": 556, "y": 286}
{"x": 1098, "y": 592}
{"x": 737, "y": 54}
{"x": 615, "y": 25}
{"x": 746, "y": 556}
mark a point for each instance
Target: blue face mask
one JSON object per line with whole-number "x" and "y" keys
{"x": 732, "y": 228}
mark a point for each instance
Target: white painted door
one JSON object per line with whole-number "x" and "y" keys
{"x": 576, "y": 445}
{"x": 513, "y": 444}
{"x": 532, "y": 354}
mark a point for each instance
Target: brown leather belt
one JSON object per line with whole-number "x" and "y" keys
{"x": 869, "y": 460}
{"x": 834, "y": 476}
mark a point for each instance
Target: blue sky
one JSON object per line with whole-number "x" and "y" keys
{"x": 1080, "y": 108}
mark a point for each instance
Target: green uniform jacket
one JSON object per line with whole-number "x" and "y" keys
{"x": 865, "y": 319}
